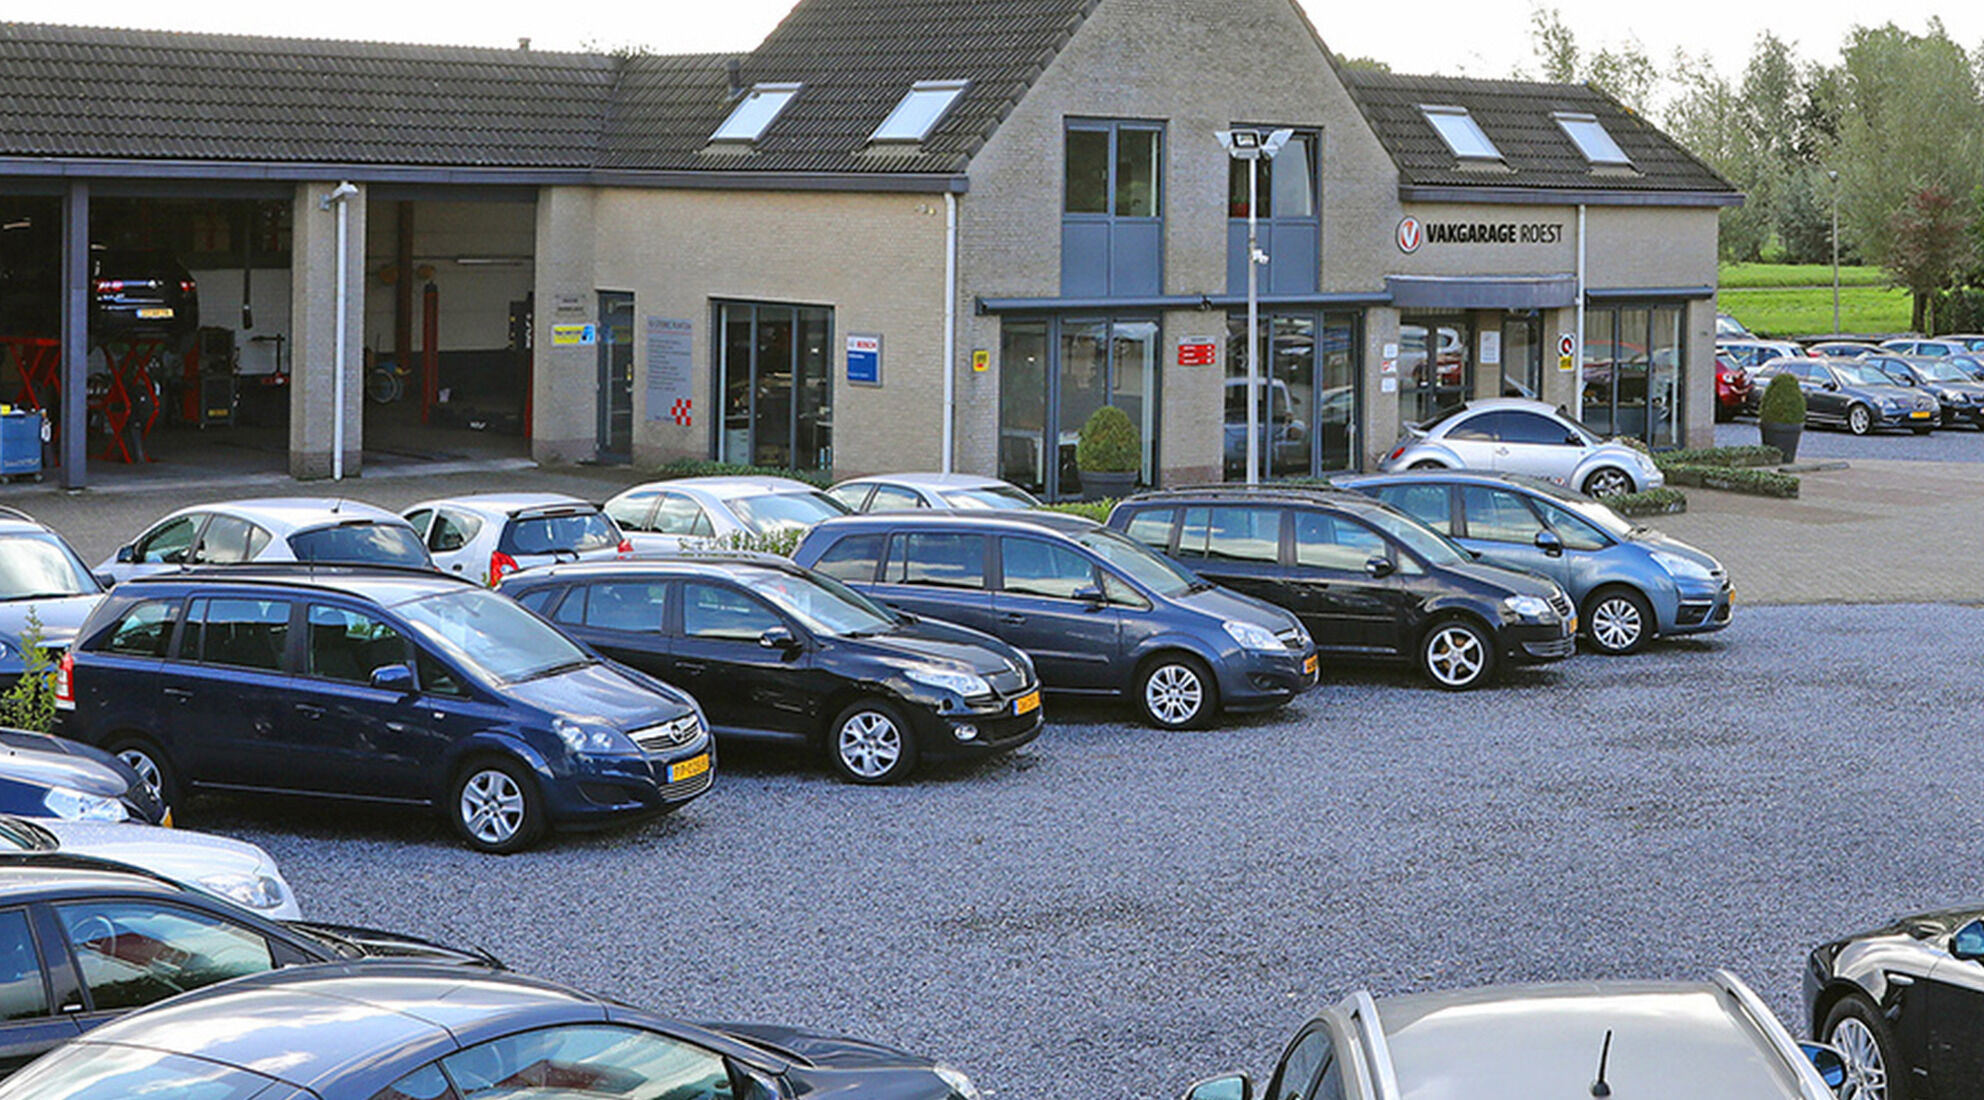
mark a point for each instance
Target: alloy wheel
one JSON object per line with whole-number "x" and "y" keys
{"x": 147, "y": 769}
{"x": 1607, "y": 483}
{"x": 869, "y": 744}
{"x": 1455, "y": 655}
{"x": 492, "y": 806}
{"x": 1866, "y": 1072}
{"x": 1173, "y": 694}
{"x": 1616, "y": 624}
{"x": 1859, "y": 420}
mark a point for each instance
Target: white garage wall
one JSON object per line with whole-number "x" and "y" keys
{"x": 220, "y": 306}
{"x": 475, "y": 297}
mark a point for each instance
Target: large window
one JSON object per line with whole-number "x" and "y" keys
{"x": 774, "y": 383}
{"x": 1112, "y": 230}
{"x": 1287, "y": 227}
{"x": 1308, "y": 394}
{"x": 1058, "y": 371}
{"x": 1632, "y": 372}
{"x": 1435, "y": 365}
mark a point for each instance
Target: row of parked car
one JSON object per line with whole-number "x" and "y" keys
{"x": 1913, "y": 383}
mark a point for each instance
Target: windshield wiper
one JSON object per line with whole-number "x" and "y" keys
{"x": 564, "y": 666}
{"x": 1200, "y": 586}
{"x": 40, "y": 596}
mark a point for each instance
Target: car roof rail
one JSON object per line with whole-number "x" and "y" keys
{"x": 1371, "y": 1032}
{"x": 1765, "y": 1021}
{"x": 1287, "y": 492}
{"x": 288, "y": 572}
{"x": 8, "y": 512}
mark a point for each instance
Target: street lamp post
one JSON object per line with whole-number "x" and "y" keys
{"x": 1834, "y": 177}
{"x": 1253, "y": 146}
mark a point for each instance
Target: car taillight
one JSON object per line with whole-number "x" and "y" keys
{"x": 500, "y": 565}
{"x": 65, "y": 682}
{"x": 107, "y": 286}
{"x": 626, "y": 547}
{"x": 185, "y": 286}
{"x": 1393, "y": 457}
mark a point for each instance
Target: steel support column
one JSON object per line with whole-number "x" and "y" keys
{"x": 75, "y": 335}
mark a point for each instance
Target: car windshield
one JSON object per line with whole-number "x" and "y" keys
{"x": 1856, "y": 374}
{"x": 823, "y": 604}
{"x": 1000, "y": 497}
{"x": 574, "y": 532}
{"x": 1146, "y": 568}
{"x": 362, "y": 542}
{"x": 1417, "y": 537}
{"x": 492, "y": 635}
{"x": 25, "y": 836}
{"x": 1942, "y": 370}
{"x": 776, "y": 512}
{"x": 37, "y": 566}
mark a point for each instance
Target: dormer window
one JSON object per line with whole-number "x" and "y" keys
{"x": 1462, "y": 134}
{"x": 921, "y": 108}
{"x": 755, "y": 113}
{"x": 1592, "y": 139}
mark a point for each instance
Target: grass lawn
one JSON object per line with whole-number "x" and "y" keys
{"x": 1763, "y": 275}
{"x": 1802, "y": 311}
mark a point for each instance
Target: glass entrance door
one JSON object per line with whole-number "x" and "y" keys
{"x": 774, "y": 384}
{"x": 1057, "y": 372}
{"x": 1308, "y": 396}
{"x": 616, "y": 376}
{"x": 1522, "y": 357}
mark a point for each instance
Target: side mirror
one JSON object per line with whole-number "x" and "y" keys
{"x": 778, "y": 637}
{"x": 396, "y": 678}
{"x": 1088, "y": 593}
{"x": 1573, "y": 439}
{"x": 1380, "y": 567}
{"x": 1830, "y": 1063}
{"x": 1829, "y": 386}
{"x": 1232, "y": 1086}
{"x": 1550, "y": 543}
{"x": 127, "y": 554}
{"x": 1968, "y": 943}
{"x": 108, "y": 580}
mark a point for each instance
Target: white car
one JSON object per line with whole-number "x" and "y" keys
{"x": 488, "y": 536}
{"x": 317, "y": 529}
{"x": 901, "y": 492}
{"x": 666, "y": 516}
{"x": 232, "y": 870}
{"x": 1518, "y": 436}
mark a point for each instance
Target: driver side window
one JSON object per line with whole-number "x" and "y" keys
{"x": 170, "y": 542}
{"x": 132, "y": 955}
{"x": 1497, "y": 516}
{"x": 724, "y": 614}
{"x": 581, "y": 1061}
{"x": 1302, "y": 1065}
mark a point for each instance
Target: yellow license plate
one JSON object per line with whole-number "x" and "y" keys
{"x": 689, "y": 769}
{"x": 167, "y": 819}
{"x": 154, "y": 315}
{"x": 1026, "y": 704}
{"x": 1574, "y": 625}
{"x": 1919, "y": 414}
{"x": 1309, "y": 664}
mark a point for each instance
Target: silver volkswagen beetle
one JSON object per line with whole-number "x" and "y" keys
{"x": 1518, "y": 436}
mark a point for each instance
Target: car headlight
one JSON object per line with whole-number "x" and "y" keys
{"x": 1527, "y": 607}
{"x": 960, "y": 1085}
{"x": 1680, "y": 567}
{"x": 596, "y": 740}
{"x": 251, "y": 891}
{"x": 943, "y": 679}
{"x": 1251, "y": 636}
{"x": 74, "y": 805}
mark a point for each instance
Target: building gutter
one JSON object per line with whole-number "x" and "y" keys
{"x": 950, "y": 330}
{"x": 1544, "y": 196}
{"x": 1180, "y": 301}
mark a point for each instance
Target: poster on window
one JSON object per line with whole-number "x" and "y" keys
{"x": 671, "y": 363}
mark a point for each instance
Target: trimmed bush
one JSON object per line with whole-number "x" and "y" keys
{"x": 1652, "y": 502}
{"x": 1097, "y": 510}
{"x": 1783, "y": 402}
{"x": 695, "y": 467}
{"x": 1733, "y": 479}
{"x": 1108, "y": 443}
{"x": 1750, "y": 455}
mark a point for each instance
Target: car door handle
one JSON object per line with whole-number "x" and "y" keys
{"x": 691, "y": 667}
{"x": 1012, "y": 618}
{"x": 181, "y": 694}
{"x": 309, "y": 710}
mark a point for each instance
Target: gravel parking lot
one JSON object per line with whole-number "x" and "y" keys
{"x": 1115, "y": 911}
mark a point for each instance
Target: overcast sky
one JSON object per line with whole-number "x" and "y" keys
{"x": 1471, "y": 37}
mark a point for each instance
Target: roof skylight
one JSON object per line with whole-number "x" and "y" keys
{"x": 755, "y": 113}
{"x": 1592, "y": 139}
{"x": 919, "y": 111}
{"x": 1462, "y": 134}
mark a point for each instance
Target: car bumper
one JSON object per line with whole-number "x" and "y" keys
{"x": 1907, "y": 418}
{"x": 1536, "y": 643}
{"x": 971, "y": 736}
{"x": 1255, "y": 680}
{"x": 609, "y": 788}
{"x": 1699, "y": 610}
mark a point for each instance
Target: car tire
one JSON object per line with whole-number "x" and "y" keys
{"x": 1618, "y": 621}
{"x": 1426, "y": 464}
{"x": 1607, "y": 481}
{"x": 1859, "y": 420}
{"x": 151, "y": 763}
{"x": 495, "y": 806}
{"x": 1457, "y": 654}
{"x": 1176, "y": 691}
{"x": 1858, "y": 1030}
{"x": 872, "y": 743}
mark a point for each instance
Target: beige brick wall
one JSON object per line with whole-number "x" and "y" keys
{"x": 313, "y": 318}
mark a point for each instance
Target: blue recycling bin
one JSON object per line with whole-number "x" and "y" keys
{"x": 20, "y": 444}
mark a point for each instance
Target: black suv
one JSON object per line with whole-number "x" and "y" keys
{"x": 1367, "y": 581}
{"x": 377, "y": 685}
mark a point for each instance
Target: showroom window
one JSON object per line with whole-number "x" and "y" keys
{"x": 1057, "y": 371}
{"x": 1310, "y": 366}
{"x": 774, "y": 383}
{"x": 1632, "y": 372}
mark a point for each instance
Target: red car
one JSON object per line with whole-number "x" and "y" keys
{"x": 1732, "y": 387}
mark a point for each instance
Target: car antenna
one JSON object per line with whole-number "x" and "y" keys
{"x": 337, "y": 506}
{"x": 1599, "y": 1088}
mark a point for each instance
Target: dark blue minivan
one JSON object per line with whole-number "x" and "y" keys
{"x": 377, "y": 685}
{"x": 1097, "y": 613}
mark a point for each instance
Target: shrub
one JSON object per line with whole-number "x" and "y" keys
{"x": 696, "y": 467}
{"x": 1097, "y": 510}
{"x": 1783, "y": 402}
{"x": 1636, "y": 444}
{"x": 1732, "y": 479}
{"x": 781, "y": 542}
{"x": 1749, "y": 455}
{"x": 30, "y": 703}
{"x": 1651, "y": 502}
{"x": 1108, "y": 443}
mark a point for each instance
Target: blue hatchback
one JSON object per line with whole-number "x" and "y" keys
{"x": 377, "y": 685}
{"x": 1631, "y": 583}
{"x": 1098, "y": 613}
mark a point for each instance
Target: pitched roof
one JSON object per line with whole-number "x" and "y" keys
{"x": 1517, "y": 116}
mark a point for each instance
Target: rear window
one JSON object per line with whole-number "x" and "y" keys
{"x": 852, "y": 559}
{"x": 362, "y": 543}
{"x": 776, "y": 512}
{"x": 576, "y": 532}
{"x": 144, "y": 630}
{"x": 940, "y": 560}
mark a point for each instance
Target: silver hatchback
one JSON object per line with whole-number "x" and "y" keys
{"x": 1517, "y": 436}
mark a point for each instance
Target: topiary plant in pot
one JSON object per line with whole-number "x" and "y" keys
{"x": 1781, "y": 414}
{"x": 1108, "y": 454}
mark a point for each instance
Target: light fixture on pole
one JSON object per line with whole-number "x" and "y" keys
{"x": 1253, "y": 146}
{"x": 1834, "y": 177}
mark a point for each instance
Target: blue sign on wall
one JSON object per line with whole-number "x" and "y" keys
{"x": 864, "y": 359}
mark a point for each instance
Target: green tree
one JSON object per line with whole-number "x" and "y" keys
{"x": 1930, "y": 243}
{"x": 1624, "y": 71}
{"x": 30, "y": 703}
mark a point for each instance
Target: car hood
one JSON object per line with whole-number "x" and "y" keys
{"x": 1224, "y": 604}
{"x": 1518, "y": 582}
{"x": 83, "y": 761}
{"x": 32, "y": 767}
{"x": 61, "y": 617}
{"x": 184, "y": 857}
{"x": 1886, "y": 393}
{"x": 832, "y": 1051}
{"x": 602, "y": 692}
{"x": 925, "y": 642}
{"x": 1651, "y": 539}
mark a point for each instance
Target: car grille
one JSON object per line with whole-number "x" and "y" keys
{"x": 690, "y": 787}
{"x": 667, "y": 735}
{"x": 1295, "y": 640}
{"x": 1561, "y": 604}
{"x": 1007, "y": 683}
